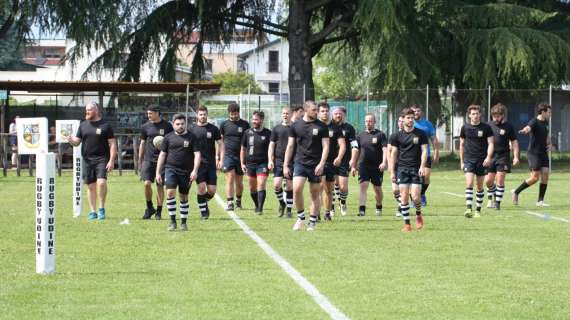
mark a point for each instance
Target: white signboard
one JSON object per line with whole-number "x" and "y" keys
{"x": 64, "y": 129}
{"x": 32, "y": 135}
{"x": 77, "y": 184}
{"x": 45, "y": 213}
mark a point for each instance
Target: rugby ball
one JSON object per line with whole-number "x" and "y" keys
{"x": 157, "y": 141}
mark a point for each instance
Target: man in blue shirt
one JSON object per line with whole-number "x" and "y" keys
{"x": 427, "y": 127}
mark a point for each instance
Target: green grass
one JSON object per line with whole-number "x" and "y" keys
{"x": 507, "y": 265}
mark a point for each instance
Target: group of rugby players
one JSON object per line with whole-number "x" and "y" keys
{"x": 311, "y": 145}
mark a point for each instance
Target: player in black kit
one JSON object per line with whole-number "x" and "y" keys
{"x": 180, "y": 158}
{"x": 373, "y": 159}
{"x": 232, "y": 131}
{"x": 148, "y": 157}
{"x": 310, "y": 138}
{"x": 254, "y": 158}
{"x": 476, "y": 145}
{"x": 208, "y": 136}
{"x": 505, "y": 136}
{"x": 409, "y": 152}
{"x": 337, "y": 148}
{"x": 538, "y": 162}
{"x": 277, "y": 146}
{"x": 98, "y": 149}
{"x": 349, "y": 159}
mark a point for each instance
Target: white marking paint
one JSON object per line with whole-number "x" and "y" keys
{"x": 546, "y": 216}
{"x": 309, "y": 288}
{"x": 455, "y": 194}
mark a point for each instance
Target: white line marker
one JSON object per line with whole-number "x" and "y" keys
{"x": 319, "y": 298}
{"x": 455, "y": 194}
{"x": 546, "y": 216}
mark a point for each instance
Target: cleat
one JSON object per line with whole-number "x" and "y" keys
{"x": 407, "y": 228}
{"x": 299, "y": 224}
{"x": 289, "y": 214}
{"x": 497, "y": 206}
{"x": 157, "y": 216}
{"x": 230, "y": 207}
{"x": 205, "y": 215}
{"x": 172, "y": 227}
{"x": 361, "y": 214}
{"x": 419, "y": 222}
{"x": 148, "y": 213}
{"x": 379, "y": 212}
{"x": 311, "y": 226}
{"x": 101, "y": 214}
{"x": 92, "y": 216}
{"x": 328, "y": 217}
{"x": 515, "y": 197}
{"x": 258, "y": 212}
{"x": 343, "y": 210}
{"x": 491, "y": 204}
{"x": 238, "y": 204}
{"x": 281, "y": 210}
{"x": 184, "y": 227}
{"x": 477, "y": 214}
{"x": 542, "y": 204}
{"x": 424, "y": 200}
{"x": 468, "y": 213}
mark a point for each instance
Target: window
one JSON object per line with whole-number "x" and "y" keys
{"x": 273, "y": 64}
{"x": 273, "y": 87}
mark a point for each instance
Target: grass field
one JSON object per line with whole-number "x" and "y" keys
{"x": 507, "y": 265}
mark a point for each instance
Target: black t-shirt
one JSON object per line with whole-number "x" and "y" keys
{"x": 475, "y": 148}
{"x": 350, "y": 138}
{"x": 256, "y": 144}
{"x": 503, "y": 134}
{"x": 280, "y": 135}
{"x": 409, "y": 146}
{"x": 180, "y": 150}
{"x": 94, "y": 136}
{"x": 371, "y": 144}
{"x": 206, "y": 136}
{"x": 308, "y": 139}
{"x": 232, "y": 131}
{"x": 149, "y": 131}
{"x": 538, "y": 136}
{"x": 335, "y": 133}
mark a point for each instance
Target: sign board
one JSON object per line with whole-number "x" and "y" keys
{"x": 3, "y": 94}
{"x": 64, "y": 129}
{"x": 45, "y": 213}
{"x": 32, "y": 135}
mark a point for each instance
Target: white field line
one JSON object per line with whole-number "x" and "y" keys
{"x": 309, "y": 288}
{"x": 536, "y": 214}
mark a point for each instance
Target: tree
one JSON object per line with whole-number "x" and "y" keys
{"x": 236, "y": 83}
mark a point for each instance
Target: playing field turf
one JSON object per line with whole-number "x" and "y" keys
{"x": 505, "y": 265}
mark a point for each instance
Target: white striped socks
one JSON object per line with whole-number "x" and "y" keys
{"x": 499, "y": 193}
{"x": 469, "y": 197}
{"x": 480, "y": 197}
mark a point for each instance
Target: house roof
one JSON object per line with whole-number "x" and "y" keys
{"x": 263, "y": 46}
{"x": 107, "y": 86}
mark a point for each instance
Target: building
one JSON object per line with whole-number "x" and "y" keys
{"x": 269, "y": 65}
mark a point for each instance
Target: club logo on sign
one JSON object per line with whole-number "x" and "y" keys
{"x": 32, "y": 135}
{"x": 66, "y": 130}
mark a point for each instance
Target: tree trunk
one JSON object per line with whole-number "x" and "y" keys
{"x": 300, "y": 64}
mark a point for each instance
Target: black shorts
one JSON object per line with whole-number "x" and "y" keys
{"x": 278, "y": 170}
{"x": 307, "y": 172}
{"x": 207, "y": 173}
{"x": 429, "y": 162}
{"x": 372, "y": 174}
{"x": 93, "y": 170}
{"x": 500, "y": 163}
{"x": 173, "y": 179}
{"x": 537, "y": 161}
{"x": 475, "y": 167}
{"x": 148, "y": 171}
{"x": 330, "y": 172}
{"x": 343, "y": 170}
{"x": 255, "y": 169}
{"x": 13, "y": 140}
{"x": 232, "y": 162}
{"x": 408, "y": 176}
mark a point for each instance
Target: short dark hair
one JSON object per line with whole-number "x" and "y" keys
{"x": 407, "y": 111}
{"x": 499, "y": 109}
{"x": 178, "y": 116}
{"x": 324, "y": 105}
{"x": 233, "y": 107}
{"x": 542, "y": 107}
{"x": 202, "y": 108}
{"x": 153, "y": 108}
{"x": 258, "y": 113}
{"x": 415, "y": 106}
{"x": 474, "y": 107}
{"x": 297, "y": 108}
